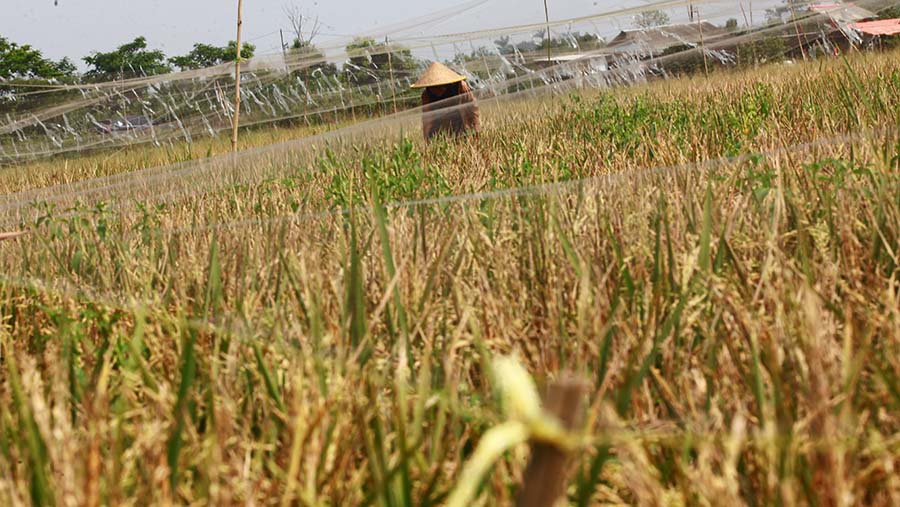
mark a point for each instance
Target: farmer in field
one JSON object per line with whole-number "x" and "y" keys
{"x": 450, "y": 107}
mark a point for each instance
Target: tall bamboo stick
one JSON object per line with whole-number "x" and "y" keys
{"x": 702, "y": 45}
{"x": 237, "y": 80}
{"x": 391, "y": 70}
{"x": 797, "y": 29}
{"x": 547, "y": 16}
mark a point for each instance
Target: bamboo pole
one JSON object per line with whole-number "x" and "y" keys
{"x": 797, "y": 29}
{"x": 387, "y": 46}
{"x": 749, "y": 24}
{"x": 284, "y": 49}
{"x": 237, "y": 80}
{"x": 702, "y": 45}
{"x": 744, "y": 12}
{"x": 547, "y": 16}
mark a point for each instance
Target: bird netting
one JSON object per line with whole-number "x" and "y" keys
{"x": 125, "y": 214}
{"x": 370, "y": 76}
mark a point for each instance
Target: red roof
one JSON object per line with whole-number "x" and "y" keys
{"x": 880, "y": 27}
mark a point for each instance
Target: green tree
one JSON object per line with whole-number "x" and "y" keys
{"x": 206, "y": 55}
{"x": 127, "y": 61}
{"x": 770, "y": 49}
{"x": 650, "y": 19}
{"x": 481, "y": 62}
{"x": 573, "y": 41}
{"x": 788, "y": 9}
{"x": 26, "y": 63}
{"x": 504, "y": 46}
{"x": 568, "y": 43}
{"x": 310, "y": 61}
{"x": 372, "y": 61}
{"x": 889, "y": 13}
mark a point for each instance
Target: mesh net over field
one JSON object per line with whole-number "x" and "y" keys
{"x": 370, "y": 90}
{"x": 671, "y": 244}
{"x": 346, "y": 82}
{"x": 184, "y": 107}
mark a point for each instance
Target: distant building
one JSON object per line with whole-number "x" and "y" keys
{"x": 874, "y": 33}
{"x": 124, "y": 124}
{"x": 826, "y": 29}
{"x": 650, "y": 42}
{"x": 572, "y": 64}
{"x": 882, "y": 27}
{"x": 842, "y": 13}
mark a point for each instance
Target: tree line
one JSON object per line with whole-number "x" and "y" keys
{"x": 130, "y": 60}
{"x": 367, "y": 62}
{"x": 367, "y": 59}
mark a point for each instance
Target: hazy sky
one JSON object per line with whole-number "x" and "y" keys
{"x": 74, "y": 28}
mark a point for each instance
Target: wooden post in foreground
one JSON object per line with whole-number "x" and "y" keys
{"x": 237, "y": 80}
{"x": 544, "y": 481}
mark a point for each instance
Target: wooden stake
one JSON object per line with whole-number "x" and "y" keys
{"x": 797, "y": 29}
{"x": 237, "y": 80}
{"x": 749, "y": 27}
{"x": 391, "y": 70}
{"x": 544, "y": 481}
{"x": 547, "y": 16}
{"x": 284, "y": 49}
{"x": 702, "y": 45}
{"x": 744, "y": 12}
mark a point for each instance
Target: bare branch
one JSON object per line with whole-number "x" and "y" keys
{"x": 305, "y": 26}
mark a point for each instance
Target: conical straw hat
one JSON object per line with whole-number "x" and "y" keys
{"x": 438, "y": 74}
